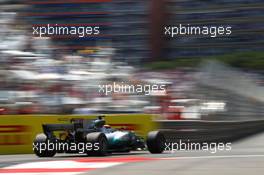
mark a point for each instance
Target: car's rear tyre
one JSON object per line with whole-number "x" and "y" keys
{"x": 99, "y": 142}
{"x": 41, "y": 139}
{"x": 155, "y": 142}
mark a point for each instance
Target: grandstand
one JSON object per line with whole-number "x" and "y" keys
{"x": 244, "y": 16}
{"x": 135, "y": 28}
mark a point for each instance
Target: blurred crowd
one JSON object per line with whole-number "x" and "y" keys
{"x": 38, "y": 78}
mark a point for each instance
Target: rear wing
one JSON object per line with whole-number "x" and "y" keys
{"x": 49, "y": 128}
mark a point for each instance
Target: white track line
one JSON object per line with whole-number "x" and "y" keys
{"x": 60, "y": 173}
{"x": 62, "y": 167}
{"x": 64, "y": 164}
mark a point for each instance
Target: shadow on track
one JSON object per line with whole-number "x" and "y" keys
{"x": 110, "y": 155}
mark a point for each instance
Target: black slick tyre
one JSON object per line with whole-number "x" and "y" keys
{"x": 41, "y": 139}
{"x": 99, "y": 142}
{"x": 155, "y": 142}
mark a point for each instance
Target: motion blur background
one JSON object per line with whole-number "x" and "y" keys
{"x": 206, "y": 78}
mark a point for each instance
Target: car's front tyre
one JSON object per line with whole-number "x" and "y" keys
{"x": 155, "y": 142}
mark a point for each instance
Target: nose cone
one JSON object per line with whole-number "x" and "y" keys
{"x": 121, "y": 137}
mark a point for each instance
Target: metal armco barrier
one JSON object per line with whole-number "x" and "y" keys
{"x": 208, "y": 131}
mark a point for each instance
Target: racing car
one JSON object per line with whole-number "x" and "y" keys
{"x": 102, "y": 139}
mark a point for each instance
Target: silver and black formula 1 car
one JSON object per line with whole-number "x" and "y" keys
{"x": 92, "y": 137}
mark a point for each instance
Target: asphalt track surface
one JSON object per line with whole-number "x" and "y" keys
{"x": 245, "y": 158}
